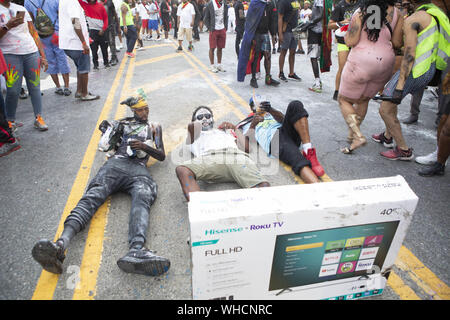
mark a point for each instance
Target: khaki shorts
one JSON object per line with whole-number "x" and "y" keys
{"x": 185, "y": 31}
{"x": 227, "y": 165}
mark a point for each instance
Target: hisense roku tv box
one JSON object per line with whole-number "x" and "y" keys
{"x": 335, "y": 240}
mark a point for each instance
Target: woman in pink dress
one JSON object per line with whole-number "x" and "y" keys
{"x": 375, "y": 29}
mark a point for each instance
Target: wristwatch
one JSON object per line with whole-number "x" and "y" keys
{"x": 5, "y": 28}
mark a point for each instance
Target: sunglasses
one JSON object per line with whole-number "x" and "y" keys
{"x": 200, "y": 116}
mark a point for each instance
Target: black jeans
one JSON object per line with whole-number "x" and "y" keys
{"x": 99, "y": 41}
{"x": 286, "y": 141}
{"x": 111, "y": 38}
{"x": 114, "y": 176}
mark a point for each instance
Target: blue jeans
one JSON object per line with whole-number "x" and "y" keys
{"x": 19, "y": 66}
{"x": 131, "y": 36}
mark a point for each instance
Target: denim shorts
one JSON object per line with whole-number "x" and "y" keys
{"x": 289, "y": 41}
{"x": 57, "y": 59}
{"x": 82, "y": 61}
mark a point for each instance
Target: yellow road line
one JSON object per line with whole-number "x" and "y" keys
{"x": 90, "y": 263}
{"x": 400, "y": 288}
{"x": 158, "y": 84}
{"x": 47, "y": 282}
{"x": 157, "y": 59}
{"x": 423, "y": 276}
{"x": 158, "y": 45}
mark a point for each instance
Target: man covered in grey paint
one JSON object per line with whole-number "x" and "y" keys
{"x": 130, "y": 143}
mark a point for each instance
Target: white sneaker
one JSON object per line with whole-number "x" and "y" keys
{"x": 213, "y": 68}
{"x": 220, "y": 68}
{"x": 428, "y": 159}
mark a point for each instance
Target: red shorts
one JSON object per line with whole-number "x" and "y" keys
{"x": 144, "y": 23}
{"x": 217, "y": 39}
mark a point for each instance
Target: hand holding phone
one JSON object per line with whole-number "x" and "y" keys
{"x": 20, "y": 15}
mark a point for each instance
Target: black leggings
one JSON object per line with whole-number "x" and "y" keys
{"x": 286, "y": 141}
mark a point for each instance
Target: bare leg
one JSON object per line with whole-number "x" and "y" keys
{"x": 291, "y": 61}
{"x": 342, "y": 59}
{"x": 211, "y": 55}
{"x": 219, "y": 55}
{"x": 281, "y": 59}
{"x": 353, "y": 121}
{"x": 388, "y": 112}
{"x": 308, "y": 176}
{"x": 302, "y": 128}
{"x": 187, "y": 181}
{"x": 55, "y": 80}
{"x": 66, "y": 80}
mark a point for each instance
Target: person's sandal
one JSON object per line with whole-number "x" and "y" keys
{"x": 67, "y": 92}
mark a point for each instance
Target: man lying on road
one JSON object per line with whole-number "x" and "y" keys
{"x": 217, "y": 157}
{"x": 134, "y": 141}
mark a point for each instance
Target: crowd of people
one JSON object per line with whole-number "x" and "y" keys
{"x": 374, "y": 62}
{"x": 401, "y": 51}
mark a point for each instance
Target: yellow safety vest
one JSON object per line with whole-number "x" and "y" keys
{"x": 433, "y": 43}
{"x": 128, "y": 17}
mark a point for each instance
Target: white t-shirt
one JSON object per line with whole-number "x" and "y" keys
{"x": 186, "y": 15}
{"x": 153, "y": 16}
{"x": 143, "y": 12}
{"x": 218, "y": 13}
{"x": 68, "y": 39}
{"x": 17, "y": 40}
{"x": 304, "y": 15}
{"x": 214, "y": 139}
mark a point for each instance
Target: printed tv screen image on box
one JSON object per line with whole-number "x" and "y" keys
{"x": 315, "y": 257}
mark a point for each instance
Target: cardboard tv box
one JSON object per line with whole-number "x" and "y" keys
{"x": 335, "y": 240}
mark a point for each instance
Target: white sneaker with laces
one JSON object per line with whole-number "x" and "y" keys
{"x": 428, "y": 159}
{"x": 213, "y": 68}
{"x": 220, "y": 68}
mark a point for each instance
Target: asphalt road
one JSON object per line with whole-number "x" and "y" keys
{"x": 42, "y": 181}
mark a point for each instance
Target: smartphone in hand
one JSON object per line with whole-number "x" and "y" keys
{"x": 20, "y": 15}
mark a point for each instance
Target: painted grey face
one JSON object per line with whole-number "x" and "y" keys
{"x": 204, "y": 117}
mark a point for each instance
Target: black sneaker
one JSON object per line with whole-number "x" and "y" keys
{"x": 254, "y": 83}
{"x": 114, "y": 61}
{"x": 274, "y": 51}
{"x": 107, "y": 65}
{"x": 143, "y": 261}
{"x": 95, "y": 67}
{"x": 435, "y": 169}
{"x": 179, "y": 49}
{"x": 282, "y": 77}
{"x": 50, "y": 255}
{"x": 271, "y": 82}
{"x": 380, "y": 138}
{"x": 294, "y": 77}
